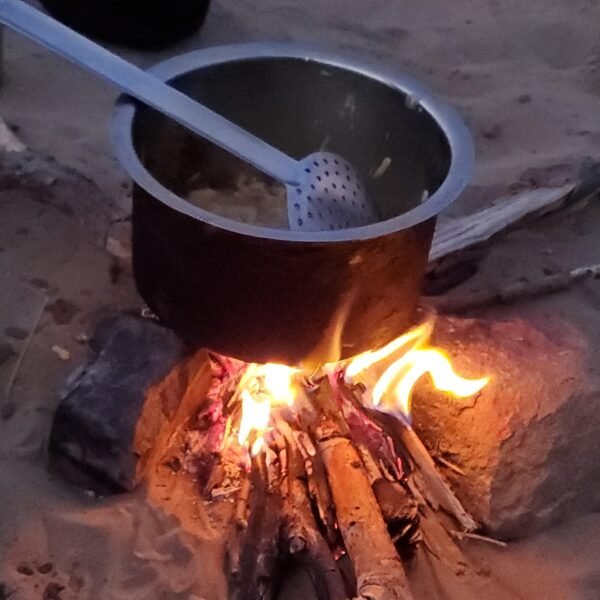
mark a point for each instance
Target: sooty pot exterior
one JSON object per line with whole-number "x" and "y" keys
{"x": 264, "y": 294}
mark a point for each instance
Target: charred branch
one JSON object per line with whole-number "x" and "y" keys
{"x": 300, "y": 537}
{"x": 256, "y": 544}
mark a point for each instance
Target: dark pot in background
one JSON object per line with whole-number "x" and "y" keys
{"x": 260, "y": 293}
{"x": 144, "y": 24}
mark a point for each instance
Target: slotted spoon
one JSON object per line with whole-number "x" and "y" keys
{"x": 324, "y": 192}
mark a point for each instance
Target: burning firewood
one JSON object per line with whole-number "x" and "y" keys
{"x": 378, "y": 569}
{"x": 300, "y": 535}
{"x": 322, "y": 473}
{"x": 258, "y": 552}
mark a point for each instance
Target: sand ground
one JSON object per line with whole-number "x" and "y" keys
{"x": 526, "y": 77}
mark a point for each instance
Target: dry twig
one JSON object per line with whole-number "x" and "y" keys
{"x": 515, "y": 292}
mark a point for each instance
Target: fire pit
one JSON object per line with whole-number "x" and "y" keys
{"x": 263, "y": 293}
{"x": 320, "y": 469}
{"x": 295, "y": 424}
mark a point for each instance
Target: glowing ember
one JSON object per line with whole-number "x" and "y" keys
{"x": 411, "y": 360}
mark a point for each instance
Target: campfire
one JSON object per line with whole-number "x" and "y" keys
{"x": 322, "y": 467}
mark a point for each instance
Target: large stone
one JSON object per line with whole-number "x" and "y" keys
{"x": 114, "y": 408}
{"x": 529, "y": 443}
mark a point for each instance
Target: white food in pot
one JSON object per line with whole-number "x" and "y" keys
{"x": 251, "y": 201}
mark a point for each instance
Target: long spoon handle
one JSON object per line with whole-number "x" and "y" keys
{"x": 147, "y": 88}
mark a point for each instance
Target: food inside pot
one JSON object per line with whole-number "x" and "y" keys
{"x": 249, "y": 200}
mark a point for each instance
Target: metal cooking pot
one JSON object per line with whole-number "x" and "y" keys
{"x": 136, "y": 23}
{"x": 267, "y": 294}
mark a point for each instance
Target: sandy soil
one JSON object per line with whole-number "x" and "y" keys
{"x": 526, "y": 76}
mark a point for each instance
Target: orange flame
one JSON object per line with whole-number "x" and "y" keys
{"x": 396, "y": 368}
{"x": 261, "y": 388}
{"x": 395, "y": 385}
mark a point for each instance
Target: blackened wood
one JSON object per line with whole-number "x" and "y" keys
{"x": 301, "y": 538}
{"x": 258, "y": 556}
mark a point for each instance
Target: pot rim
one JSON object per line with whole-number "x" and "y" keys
{"x": 452, "y": 126}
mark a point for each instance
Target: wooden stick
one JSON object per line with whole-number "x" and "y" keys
{"x": 17, "y": 367}
{"x": 238, "y": 528}
{"x": 395, "y": 502}
{"x": 460, "y": 535}
{"x": 379, "y": 571}
{"x": 439, "y": 542}
{"x": 515, "y": 291}
{"x": 377, "y": 566}
{"x": 318, "y": 487}
{"x": 300, "y": 537}
{"x": 371, "y": 467}
{"x": 450, "y": 465}
{"x": 432, "y": 489}
{"x": 454, "y": 235}
{"x": 241, "y": 507}
{"x": 258, "y": 553}
{"x": 433, "y": 482}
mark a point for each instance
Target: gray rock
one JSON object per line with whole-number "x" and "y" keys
{"x": 97, "y": 422}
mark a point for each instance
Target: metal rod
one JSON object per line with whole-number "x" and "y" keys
{"x": 150, "y": 90}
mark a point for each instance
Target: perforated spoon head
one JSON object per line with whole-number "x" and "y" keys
{"x": 329, "y": 197}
